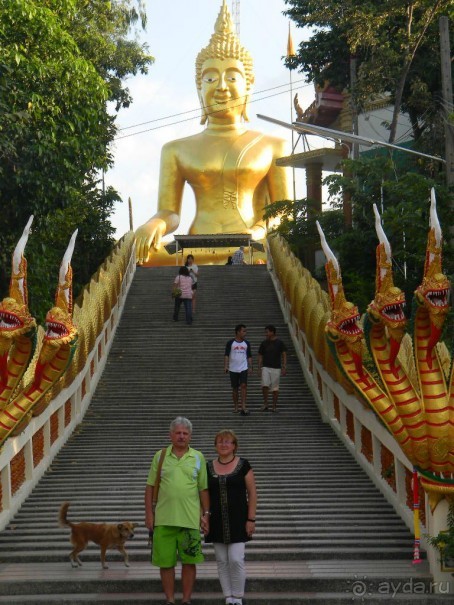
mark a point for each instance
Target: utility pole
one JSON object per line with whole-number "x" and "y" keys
{"x": 131, "y": 223}
{"x": 446, "y": 84}
{"x": 291, "y": 54}
{"x": 353, "y": 107}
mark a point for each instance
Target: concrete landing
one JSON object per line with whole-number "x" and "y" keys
{"x": 295, "y": 582}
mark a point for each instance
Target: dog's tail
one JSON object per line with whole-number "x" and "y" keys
{"x": 62, "y": 515}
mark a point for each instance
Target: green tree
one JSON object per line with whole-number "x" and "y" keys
{"x": 298, "y": 225}
{"x": 101, "y": 30}
{"x": 61, "y": 62}
{"x": 395, "y": 43}
{"x": 402, "y": 198}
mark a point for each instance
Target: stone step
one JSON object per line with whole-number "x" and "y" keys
{"x": 298, "y": 575}
{"x": 30, "y": 539}
{"x": 272, "y": 498}
{"x": 299, "y": 512}
{"x": 279, "y": 524}
{"x": 291, "y": 540}
{"x": 253, "y": 598}
{"x": 283, "y": 553}
{"x": 135, "y": 515}
{"x": 290, "y": 582}
{"x": 351, "y": 554}
{"x": 317, "y": 476}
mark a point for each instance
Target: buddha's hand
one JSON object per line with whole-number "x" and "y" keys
{"x": 149, "y": 236}
{"x": 257, "y": 232}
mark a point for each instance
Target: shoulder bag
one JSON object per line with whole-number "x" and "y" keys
{"x": 176, "y": 291}
{"x": 158, "y": 478}
{"x": 155, "y": 496}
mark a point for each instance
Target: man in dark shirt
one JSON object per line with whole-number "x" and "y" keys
{"x": 272, "y": 363}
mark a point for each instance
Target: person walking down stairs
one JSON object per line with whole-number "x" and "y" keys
{"x": 193, "y": 274}
{"x": 183, "y": 282}
{"x": 272, "y": 364}
{"x": 238, "y": 363}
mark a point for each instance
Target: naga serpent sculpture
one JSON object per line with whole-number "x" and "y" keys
{"x": 17, "y": 336}
{"x": 17, "y": 326}
{"x": 418, "y": 413}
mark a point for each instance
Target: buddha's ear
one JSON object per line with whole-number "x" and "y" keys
{"x": 204, "y": 116}
{"x": 244, "y": 113}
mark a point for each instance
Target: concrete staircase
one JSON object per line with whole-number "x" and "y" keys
{"x": 324, "y": 532}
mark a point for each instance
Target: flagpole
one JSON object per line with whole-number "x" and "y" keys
{"x": 293, "y": 135}
{"x": 291, "y": 53}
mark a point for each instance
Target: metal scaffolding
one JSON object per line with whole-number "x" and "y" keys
{"x": 236, "y": 15}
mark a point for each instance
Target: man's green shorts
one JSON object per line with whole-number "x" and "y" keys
{"x": 172, "y": 542}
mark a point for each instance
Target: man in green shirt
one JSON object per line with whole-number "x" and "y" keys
{"x": 182, "y": 509}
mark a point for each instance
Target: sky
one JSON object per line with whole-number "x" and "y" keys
{"x": 176, "y": 32}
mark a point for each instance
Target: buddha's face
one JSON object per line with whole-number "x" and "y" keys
{"x": 224, "y": 89}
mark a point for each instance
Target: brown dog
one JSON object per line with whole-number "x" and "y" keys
{"x": 105, "y": 534}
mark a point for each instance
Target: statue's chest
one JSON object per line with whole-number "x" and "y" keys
{"x": 222, "y": 161}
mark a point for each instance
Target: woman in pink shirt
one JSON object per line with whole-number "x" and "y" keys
{"x": 184, "y": 282}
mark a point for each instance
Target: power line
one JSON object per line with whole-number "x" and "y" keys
{"x": 193, "y": 117}
{"x": 375, "y": 118}
{"x": 182, "y": 113}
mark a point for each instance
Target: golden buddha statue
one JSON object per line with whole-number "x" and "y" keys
{"x": 231, "y": 169}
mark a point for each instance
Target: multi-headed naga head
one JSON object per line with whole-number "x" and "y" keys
{"x": 15, "y": 319}
{"x": 387, "y": 307}
{"x": 433, "y": 293}
{"x": 345, "y": 316}
{"x": 60, "y": 329}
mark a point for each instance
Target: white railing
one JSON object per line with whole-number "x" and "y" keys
{"x": 25, "y": 458}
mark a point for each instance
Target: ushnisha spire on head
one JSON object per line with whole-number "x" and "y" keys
{"x": 225, "y": 44}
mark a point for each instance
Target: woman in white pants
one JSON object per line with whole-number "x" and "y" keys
{"x": 233, "y": 503}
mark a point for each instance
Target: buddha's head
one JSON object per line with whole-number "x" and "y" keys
{"x": 224, "y": 73}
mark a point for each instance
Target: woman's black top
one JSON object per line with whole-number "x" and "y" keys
{"x": 228, "y": 504}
